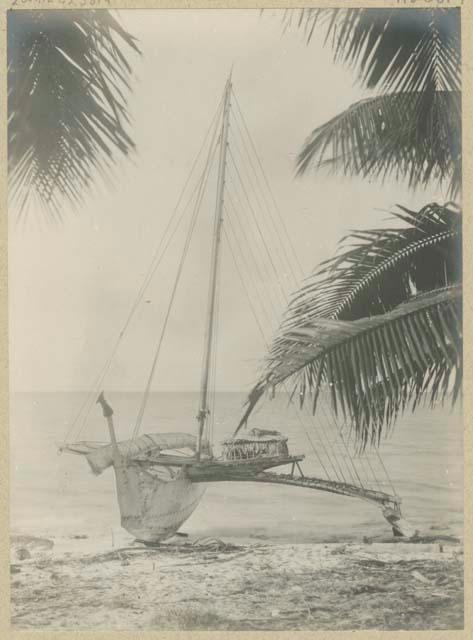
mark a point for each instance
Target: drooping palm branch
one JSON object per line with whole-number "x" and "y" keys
{"x": 413, "y": 129}
{"x": 68, "y": 77}
{"x": 399, "y": 135}
{"x": 377, "y": 327}
{"x": 373, "y": 367}
{"x": 376, "y": 270}
{"x": 392, "y": 49}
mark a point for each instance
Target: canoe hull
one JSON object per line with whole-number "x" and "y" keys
{"x": 151, "y": 509}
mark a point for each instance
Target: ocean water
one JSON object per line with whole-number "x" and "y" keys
{"x": 58, "y": 496}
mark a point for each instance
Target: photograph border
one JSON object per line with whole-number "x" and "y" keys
{"x": 466, "y": 6}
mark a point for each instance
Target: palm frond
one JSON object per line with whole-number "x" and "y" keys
{"x": 376, "y": 270}
{"x": 67, "y": 83}
{"x": 373, "y": 368}
{"x": 395, "y": 135}
{"x": 393, "y": 49}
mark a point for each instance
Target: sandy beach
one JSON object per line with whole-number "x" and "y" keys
{"x": 211, "y": 584}
{"x": 288, "y": 558}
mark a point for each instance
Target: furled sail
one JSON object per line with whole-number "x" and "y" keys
{"x": 100, "y": 457}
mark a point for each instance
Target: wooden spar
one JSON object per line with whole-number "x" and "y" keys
{"x": 108, "y": 413}
{"x": 218, "y": 221}
{"x": 215, "y": 472}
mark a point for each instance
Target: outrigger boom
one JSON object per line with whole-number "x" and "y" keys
{"x": 247, "y": 471}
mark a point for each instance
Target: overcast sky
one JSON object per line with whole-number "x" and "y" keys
{"x": 71, "y": 285}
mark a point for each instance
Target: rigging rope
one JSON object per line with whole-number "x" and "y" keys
{"x": 242, "y": 280}
{"x": 351, "y": 467}
{"x": 158, "y": 255}
{"x": 265, "y": 277}
{"x": 190, "y": 232}
{"x": 336, "y": 466}
{"x": 338, "y": 472}
{"x": 268, "y": 185}
{"x": 213, "y": 370}
{"x": 255, "y": 219}
{"x": 283, "y": 245}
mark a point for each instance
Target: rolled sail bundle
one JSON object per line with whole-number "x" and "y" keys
{"x": 81, "y": 448}
{"x": 255, "y": 444}
{"x": 100, "y": 457}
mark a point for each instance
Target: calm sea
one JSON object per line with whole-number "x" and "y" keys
{"x": 58, "y": 496}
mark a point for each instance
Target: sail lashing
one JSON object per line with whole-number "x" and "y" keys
{"x": 100, "y": 456}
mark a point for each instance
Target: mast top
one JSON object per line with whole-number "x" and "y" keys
{"x": 228, "y": 88}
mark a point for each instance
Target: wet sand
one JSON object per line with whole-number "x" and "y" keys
{"x": 207, "y": 584}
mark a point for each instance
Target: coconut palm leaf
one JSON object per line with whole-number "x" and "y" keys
{"x": 378, "y": 326}
{"x": 414, "y": 130}
{"x": 402, "y": 134}
{"x": 376, "y": 270}
{"x": 67, "y": 83}
{"x": 373, "y": 368}
{"x": 393, "y": 49}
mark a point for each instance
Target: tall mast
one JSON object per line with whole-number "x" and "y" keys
{"x": 218, "y": 221}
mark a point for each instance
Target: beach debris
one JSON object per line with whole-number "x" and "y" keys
{"x": 441, "y": 594}
{"x": 337, "y": 550}
{"x": 147, "y": 543}
{"x": 418, "y": 576}
{"x": 14, "y": 568}
{"x": 22, "y": 553}
{"x": 214, "y": 544}
{"x": 32, "y": 542}
{"x": 297, "y": 588}
{"x": 370, "y": 562}
{"x": 458, "y": 555}
{"x": 189, "y": 618}
{"x": 123, "y": 559}
{"x": 367, "y": 588}
{"x": 275, "y": 613}
{"x": 310, "y": 599}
